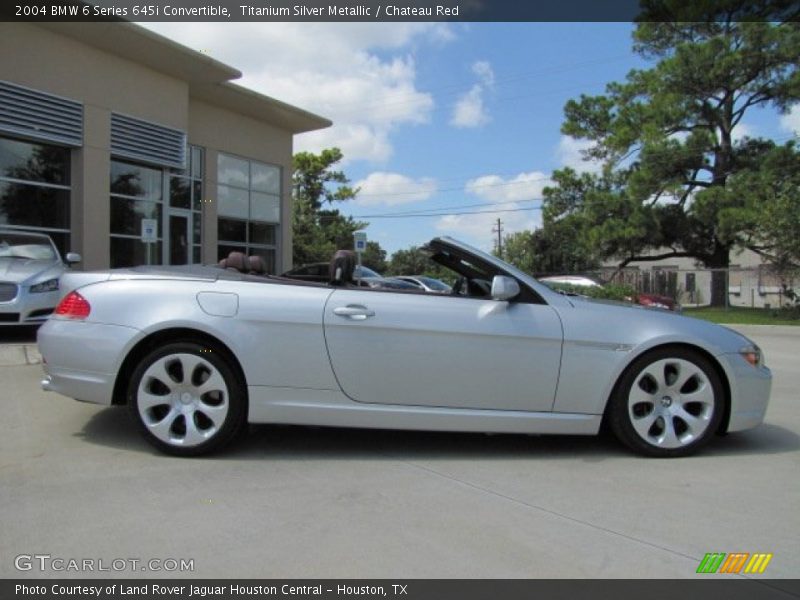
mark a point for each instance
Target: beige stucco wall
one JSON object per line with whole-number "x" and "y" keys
{"x": 57, "y": 64}
{"x": 103, "y": 82}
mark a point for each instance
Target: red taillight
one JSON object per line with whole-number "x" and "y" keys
{"x": 73, "y": 306}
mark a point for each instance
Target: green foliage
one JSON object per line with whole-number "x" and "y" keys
{"x": 665, "y": 136}
{"x": 768, "y": 218}
{"x": 374, "y": 257}
{"x": 414, "y": 261}
{"x": 559, "y": 248}
{"x": 621, "y": 293}
{"x": 319, "y": 230}
{"x": 746, "y": 316}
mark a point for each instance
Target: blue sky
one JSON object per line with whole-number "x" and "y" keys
{"x": 456, "y": 117}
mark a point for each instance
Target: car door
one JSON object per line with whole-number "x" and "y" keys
{"x": 435, "y": 350}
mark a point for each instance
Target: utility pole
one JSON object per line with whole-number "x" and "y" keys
{"x": 499, "y": 231}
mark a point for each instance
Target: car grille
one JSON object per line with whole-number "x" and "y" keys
{"x": 8, "y": 291}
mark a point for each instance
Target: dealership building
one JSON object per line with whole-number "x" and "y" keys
{"x": 131, "y": 149}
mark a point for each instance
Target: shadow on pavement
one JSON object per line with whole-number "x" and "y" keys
{"x": 18, "y": 334}
{"x": 113, "y": 427}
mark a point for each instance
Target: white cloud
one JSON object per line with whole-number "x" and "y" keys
{"x": 483, "y": 69}
{"x": 470, "y": 110}
{"x": 569, "y": 154}
{"x": 742, "y": 130}
{"x": 477, "y": 229}
{"x": 362, "y": 76}
{"x": 514, "y": 194}
{"x": 525, "y": 186}
{"x": 390, "y": 189}
{"x": 791, "y": 120}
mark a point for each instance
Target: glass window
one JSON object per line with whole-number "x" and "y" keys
{"x": 223, "y": 250}
{"x": 233, "y": 171}
{"x": 34, "y": 189}
{"x": 196, "y": 159}
{"x": 127, "y": 215}
{"x": 263, "y": 233}
{"x": 197, "y": 195}
{"x": 34, "y": 162}
{"x": 180, "y": 192}
{"x": 136, "y": 181}
{"x": 266, "y": 178}
{"x": 29, "y": 205}
{"x": 232, "y": 202}
{"x": 136, "y": 194}
{"x": 232, "y": 230}
{"x": 249, "y": 208}
{"x": 131, "y": 252}
{"x": 264, "y": 207}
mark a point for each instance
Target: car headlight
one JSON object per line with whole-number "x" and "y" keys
{"x": 51, "y": 285}
{"x": 752, "y": 354}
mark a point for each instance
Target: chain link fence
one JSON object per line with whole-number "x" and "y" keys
{"x": 752, "y": 287}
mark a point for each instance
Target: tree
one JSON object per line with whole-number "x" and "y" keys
{"x": 666, "y": 135}
{"x": 374, "y": 257}
{"x": 553, "y": 249}
{"x": 769, "y": 219}
{"x": 318, "y": 230}
{"x": 415, "y": 261}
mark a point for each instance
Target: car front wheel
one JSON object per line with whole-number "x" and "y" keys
{"x": 668, "y": 403}
{"x": 186, "y": 399}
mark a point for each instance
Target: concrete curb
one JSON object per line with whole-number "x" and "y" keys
{"x": 15, "y": 355}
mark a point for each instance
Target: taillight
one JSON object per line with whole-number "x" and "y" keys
{"x": 73, "y": 306}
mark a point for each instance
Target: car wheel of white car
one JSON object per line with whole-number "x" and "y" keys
{"x": 668, "y": 403}
{"x": 186, "y": 399}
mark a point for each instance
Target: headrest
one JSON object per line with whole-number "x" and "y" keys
{"x": 236, "y": 261}
{"x": 257, "y": 265}
{"x": 343, "y": 267}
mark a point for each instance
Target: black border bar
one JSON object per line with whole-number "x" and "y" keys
{"x": 733, "y": 588}
{"x": 397, "y": 10}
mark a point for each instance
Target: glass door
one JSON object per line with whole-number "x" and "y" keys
{"x": 178, "y": 245}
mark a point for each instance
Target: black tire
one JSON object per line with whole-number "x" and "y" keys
{"x": 189, "y": 421}
{"x": 668, "y": 403}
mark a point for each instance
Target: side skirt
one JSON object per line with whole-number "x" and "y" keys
{"x": 331, "y": 408}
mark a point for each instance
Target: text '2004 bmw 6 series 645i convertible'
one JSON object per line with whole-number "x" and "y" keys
{"x": 197, "y": 352}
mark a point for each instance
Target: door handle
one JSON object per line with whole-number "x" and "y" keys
{"x": 355, "y": 312}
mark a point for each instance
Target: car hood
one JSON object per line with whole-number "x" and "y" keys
{"x": 19, "y": 270}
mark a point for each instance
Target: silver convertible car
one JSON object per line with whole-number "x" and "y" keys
{"x": 198, "y": 352}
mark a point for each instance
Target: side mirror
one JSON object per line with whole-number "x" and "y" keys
{"x": 504, "y": 288}
{"x": 73, "y": 258}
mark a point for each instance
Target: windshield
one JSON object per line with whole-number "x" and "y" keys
{"x": 435, "y": 284}
{"x": 20, "y": 245}
{"x": 363, "y": 271}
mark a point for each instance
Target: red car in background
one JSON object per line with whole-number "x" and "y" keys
{"x": 649, "y": 300}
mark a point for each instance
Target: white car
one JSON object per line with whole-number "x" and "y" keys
{"x": 30, "y": 268}
{"x": 429, "y": 284}
{"x": 198, "y": 352}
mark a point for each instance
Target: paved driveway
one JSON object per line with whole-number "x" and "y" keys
{"x": 76, "y": 481}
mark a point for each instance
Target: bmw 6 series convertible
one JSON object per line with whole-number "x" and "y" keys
{"x": 196, "y": 353}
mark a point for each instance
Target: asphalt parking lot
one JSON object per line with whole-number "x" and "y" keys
{"x": 76, "y": 481}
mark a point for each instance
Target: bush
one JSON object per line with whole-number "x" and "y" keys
{"x": 612, "y": 291}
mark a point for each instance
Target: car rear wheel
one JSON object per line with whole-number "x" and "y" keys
{"x": 186, "y": 399}
{"x": 668, "y": 403}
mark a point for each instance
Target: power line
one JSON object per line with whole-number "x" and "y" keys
{"x": 447, "y": 213}
{"x": 460, "y": 188}
{"x": 441, "y": 208}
